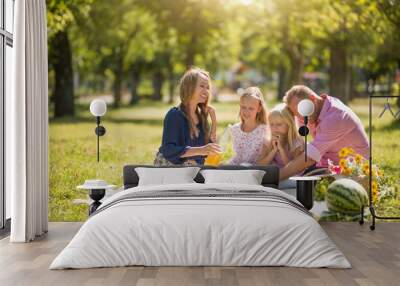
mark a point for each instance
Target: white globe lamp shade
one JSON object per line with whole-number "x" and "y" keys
{"x": 98, "y": 107}
{"x": 305, "y": 107}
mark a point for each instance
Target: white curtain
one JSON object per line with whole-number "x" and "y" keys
{"x": 28, "y": 122}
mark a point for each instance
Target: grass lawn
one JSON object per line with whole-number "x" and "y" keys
{"x": 133, "y": 137}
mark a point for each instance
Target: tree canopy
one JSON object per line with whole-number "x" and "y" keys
{"x": 122, "y": 45}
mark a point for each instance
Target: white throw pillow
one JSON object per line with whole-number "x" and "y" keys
{"x": 166, "y": 176}
{"x": 248, "y": 177}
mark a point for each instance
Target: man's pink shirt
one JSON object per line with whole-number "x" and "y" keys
{"x": 337, "y": 127}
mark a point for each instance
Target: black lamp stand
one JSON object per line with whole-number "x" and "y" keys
{"x": 100, "y": 131}
{"x": 97, "y": 194}
{"x": 303, "y": 131}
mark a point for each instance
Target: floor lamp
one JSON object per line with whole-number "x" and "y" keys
{"x": 97, "y": 188}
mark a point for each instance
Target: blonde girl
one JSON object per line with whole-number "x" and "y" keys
{"x": 249, "y": 135}
{"x": 284, "y": 142}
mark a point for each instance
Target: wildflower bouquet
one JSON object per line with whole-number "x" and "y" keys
{"x": 356, "y": 167}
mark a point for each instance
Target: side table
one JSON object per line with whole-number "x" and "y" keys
{"x": 305, "y": 189}
{"x": 97, "y": 190}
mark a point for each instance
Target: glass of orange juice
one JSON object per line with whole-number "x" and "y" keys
{"x": 213, "y": 160}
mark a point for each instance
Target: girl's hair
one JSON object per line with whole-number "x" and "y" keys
{"x": 187, "y": 87}
{"x": 255, "y": 92}
{"x": 282, "y": 112}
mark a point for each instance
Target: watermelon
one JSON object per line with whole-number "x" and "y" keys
{"x": 346, "y": 196}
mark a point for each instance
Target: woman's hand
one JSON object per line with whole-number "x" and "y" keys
{"x": 211, "y": 149}
{"x": 211, "y": 111}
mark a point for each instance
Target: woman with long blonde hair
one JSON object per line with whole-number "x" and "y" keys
{"x": 187, "y": 137}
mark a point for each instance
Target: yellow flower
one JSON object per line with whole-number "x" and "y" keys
{"x": 342, "y": 163}
{"x": 358, "y": 158}
{"x": 374, "y": 196}
{"x": 380, "y": 173}
{"x": 350, "y": 151}
{"x": 343, "y": 152}
{"x": 374, "y": 186}
{"x": 374, "y": 191}
{"x": 346, "y": 171}
{"x": 365, "y": 169}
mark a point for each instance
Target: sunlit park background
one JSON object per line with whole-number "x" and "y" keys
{"x": 132, "y": 53}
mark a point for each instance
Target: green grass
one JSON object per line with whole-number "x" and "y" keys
{"x": 133, "y": 137}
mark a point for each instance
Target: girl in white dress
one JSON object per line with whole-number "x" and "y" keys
{"x": 249, "y": 135}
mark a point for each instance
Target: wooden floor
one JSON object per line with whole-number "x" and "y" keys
{"x": 375, "y": 257}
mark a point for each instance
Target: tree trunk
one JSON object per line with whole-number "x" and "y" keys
{"x": 296, "y": 70}
{"x": 158, "y": 80}
{"x": 282, "y": 85}
{"x": 117, "y": 85}
{"x": 191, "y": 51}
{"x": 350, "y": 79}
{"x": 338, "y": 72}
{"x": 61, "y": 60}
{"x": 296, "y": 60}
{"x": 135, "y": 79}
